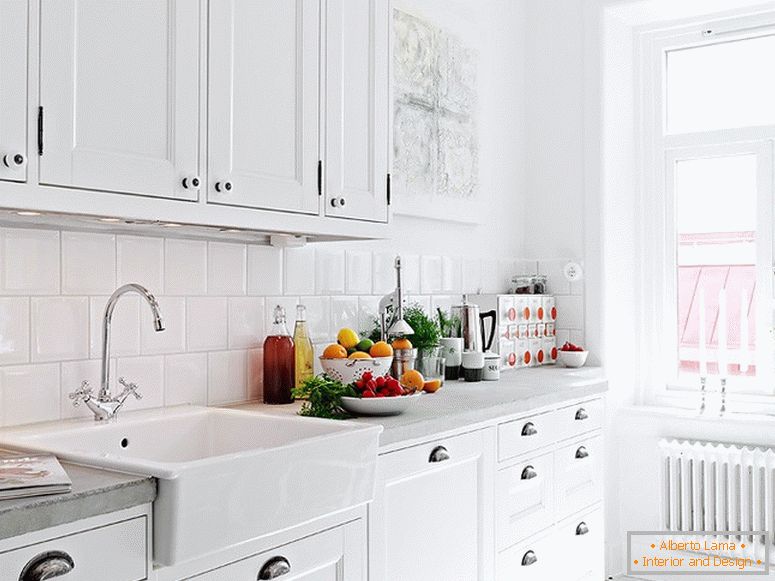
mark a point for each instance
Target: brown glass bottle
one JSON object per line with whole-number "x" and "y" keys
{"x": 279, "y": 359}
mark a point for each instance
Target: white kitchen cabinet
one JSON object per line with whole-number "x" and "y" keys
{"x": 579, "y": 475}
{"x": 119, "y": 91}
{"x": 264, "y": 104}
{"x": 338, "y": 554}
{"x": 432, "y": 515}
{"x": 13, "y": 90}
{"x": 116, "y": 544}
{"x": 357, "y": 114}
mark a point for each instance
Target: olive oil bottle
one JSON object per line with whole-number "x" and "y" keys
{"x": 305, "y": 362}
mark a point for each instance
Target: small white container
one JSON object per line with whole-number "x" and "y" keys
{"x": 492, "y": 367}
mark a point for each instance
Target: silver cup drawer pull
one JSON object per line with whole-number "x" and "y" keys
{"x": 529, "y": 429}
{"x": 439, "y": 454}
{"x": 582, "y": 529}
{"x": 529, "y": 473}
{"x": 581, "y": 414}
{"x": 582, "y": 453}
{"x": 48, "y": 565}
{"x": 529, "y": 558}
{"x": 274, "y": 568}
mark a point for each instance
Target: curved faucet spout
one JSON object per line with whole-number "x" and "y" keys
{"x": 158, "y": 325}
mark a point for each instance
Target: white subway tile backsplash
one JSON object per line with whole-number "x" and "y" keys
{"x": 410, "y": 273}
{"x": 185, "y": 267}
{"x": 265, "y": 270}
{"x": 451, "y": 275}
{"x": 148, "y": 374}
{"x": 226, "y": 269}
{"x": 555, "y": 279}
{"x": 491, "y": 278}
{"x": 185, "y": 379}
{"x": 60, "y": 328}
{"x": 207, "y": 323}
{"x": 368, "y": 314}
{"x": 570, "y": 312}
{"x": 246, "y": 322}
{"x": 432, "y": 278}
{"x": 30, "y": 393}
{"x": 14, "y": 330}
{"x": 423, "y": 301}
{"x": 329, "y": 271}
{"x": 227, "y": 377}
{"x": 344, "y": 313}
{"x": 88, "y": 263}
{"x": 383, "y": 273}
{"x": 472, "y": 275}
{"x": 300, "y": 271}
{"x": 173, "y": 338}
{"x": 30, "y": 261}
{"x": 443, "y": 302}
{"x": 358, "y": 272}
{"x": 255, "y": 374}
{"x": 318, "y": 318}
{"x": 140, "y": 259}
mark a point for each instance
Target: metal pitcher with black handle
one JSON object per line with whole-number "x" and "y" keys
{"x": 469, "y": 325}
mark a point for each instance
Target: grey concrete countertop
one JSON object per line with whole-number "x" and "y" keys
{"x": 95, "y": 492}
{"x": 460, "y": 404}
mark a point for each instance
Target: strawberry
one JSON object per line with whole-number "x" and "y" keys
{"x": 368, "y": 394}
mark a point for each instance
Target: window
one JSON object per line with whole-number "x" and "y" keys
{"x": 709, "y": 127}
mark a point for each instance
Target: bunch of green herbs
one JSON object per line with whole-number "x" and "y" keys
{"x": 324, "y": 397}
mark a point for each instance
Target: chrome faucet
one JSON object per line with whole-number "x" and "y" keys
{"x": 105, "y": 406}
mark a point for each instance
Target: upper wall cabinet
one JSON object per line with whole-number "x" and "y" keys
{"x": 119, "y": 85}
{"x": 13, "y": 90}
{"x": 264, "y": 104}
{"x": 357, "y": 114}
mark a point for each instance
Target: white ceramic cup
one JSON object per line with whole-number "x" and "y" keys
{"x": 452, "y": 350}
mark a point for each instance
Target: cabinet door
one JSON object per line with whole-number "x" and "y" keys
{"x": 335, "y": 555}
{"x": 264, "y": 104}
{"x": 582, "y": 541}
{"x": 431, "y": 519}
{"x": 357, "y": 113}
{"x": 119, "y": 87}
{"x": 13, "y": 90}
{"x": 579, "y": 475}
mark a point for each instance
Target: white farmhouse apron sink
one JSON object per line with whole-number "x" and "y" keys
{"x": 224, "y": 476}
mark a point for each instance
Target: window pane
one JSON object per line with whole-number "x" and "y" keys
{"x": 716, "y": 249}
{"x": 724, "y": 85}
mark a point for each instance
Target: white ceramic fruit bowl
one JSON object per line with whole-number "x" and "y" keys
{"x": 379, "y": 406}
{"x": 572, "y": 358}
{"x": 350, "y": 370}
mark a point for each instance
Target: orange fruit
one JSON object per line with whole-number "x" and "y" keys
{"x": 335, "y": 351}
{"x": 413, "y": 380}
{"x": 402, "y": 343}
{"x": 432, "y": 386}
{"x": 381, "y": 349}
{"x": 359, "y": 355}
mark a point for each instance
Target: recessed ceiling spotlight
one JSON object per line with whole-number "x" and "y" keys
{"x": 28, "y": 213}
{"x": 172, "y": 225}
{"x": 110, "y": 220}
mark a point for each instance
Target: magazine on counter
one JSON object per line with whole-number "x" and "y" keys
{"x": 23, "y": 475}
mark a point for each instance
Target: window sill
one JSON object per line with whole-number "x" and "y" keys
{"x": 765, "y": 417}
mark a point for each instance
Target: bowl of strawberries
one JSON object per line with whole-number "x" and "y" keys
{"x": 572, "y": 355}
{"x": 378, "y": 396}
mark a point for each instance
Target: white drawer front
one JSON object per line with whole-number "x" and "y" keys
{"x": 525, "y": 435}
{"x": 533, "y": 560}
{"x": 118, "y": 550}
{"x": 322, "y": 557}
{"x": 524, "y": 495}
{"x": 579, "y": 419}
{"x": 582, "y": 540}
{"x": 578, "y": 475}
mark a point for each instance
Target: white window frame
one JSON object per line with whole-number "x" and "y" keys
{"x": 657, "y": 242}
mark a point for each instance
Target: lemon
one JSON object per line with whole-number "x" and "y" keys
{"x": 347, "y": 338}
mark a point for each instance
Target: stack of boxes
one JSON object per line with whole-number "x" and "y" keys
{"x": 526, "y": 335}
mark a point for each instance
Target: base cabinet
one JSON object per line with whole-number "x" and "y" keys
{"x": 337, "y": 554}
{"x": 430, "y": 517}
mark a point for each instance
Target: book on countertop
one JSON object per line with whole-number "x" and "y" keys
{"x": 24, "y": 475}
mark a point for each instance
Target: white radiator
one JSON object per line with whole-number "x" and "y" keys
{"x": 718, "y": 487}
